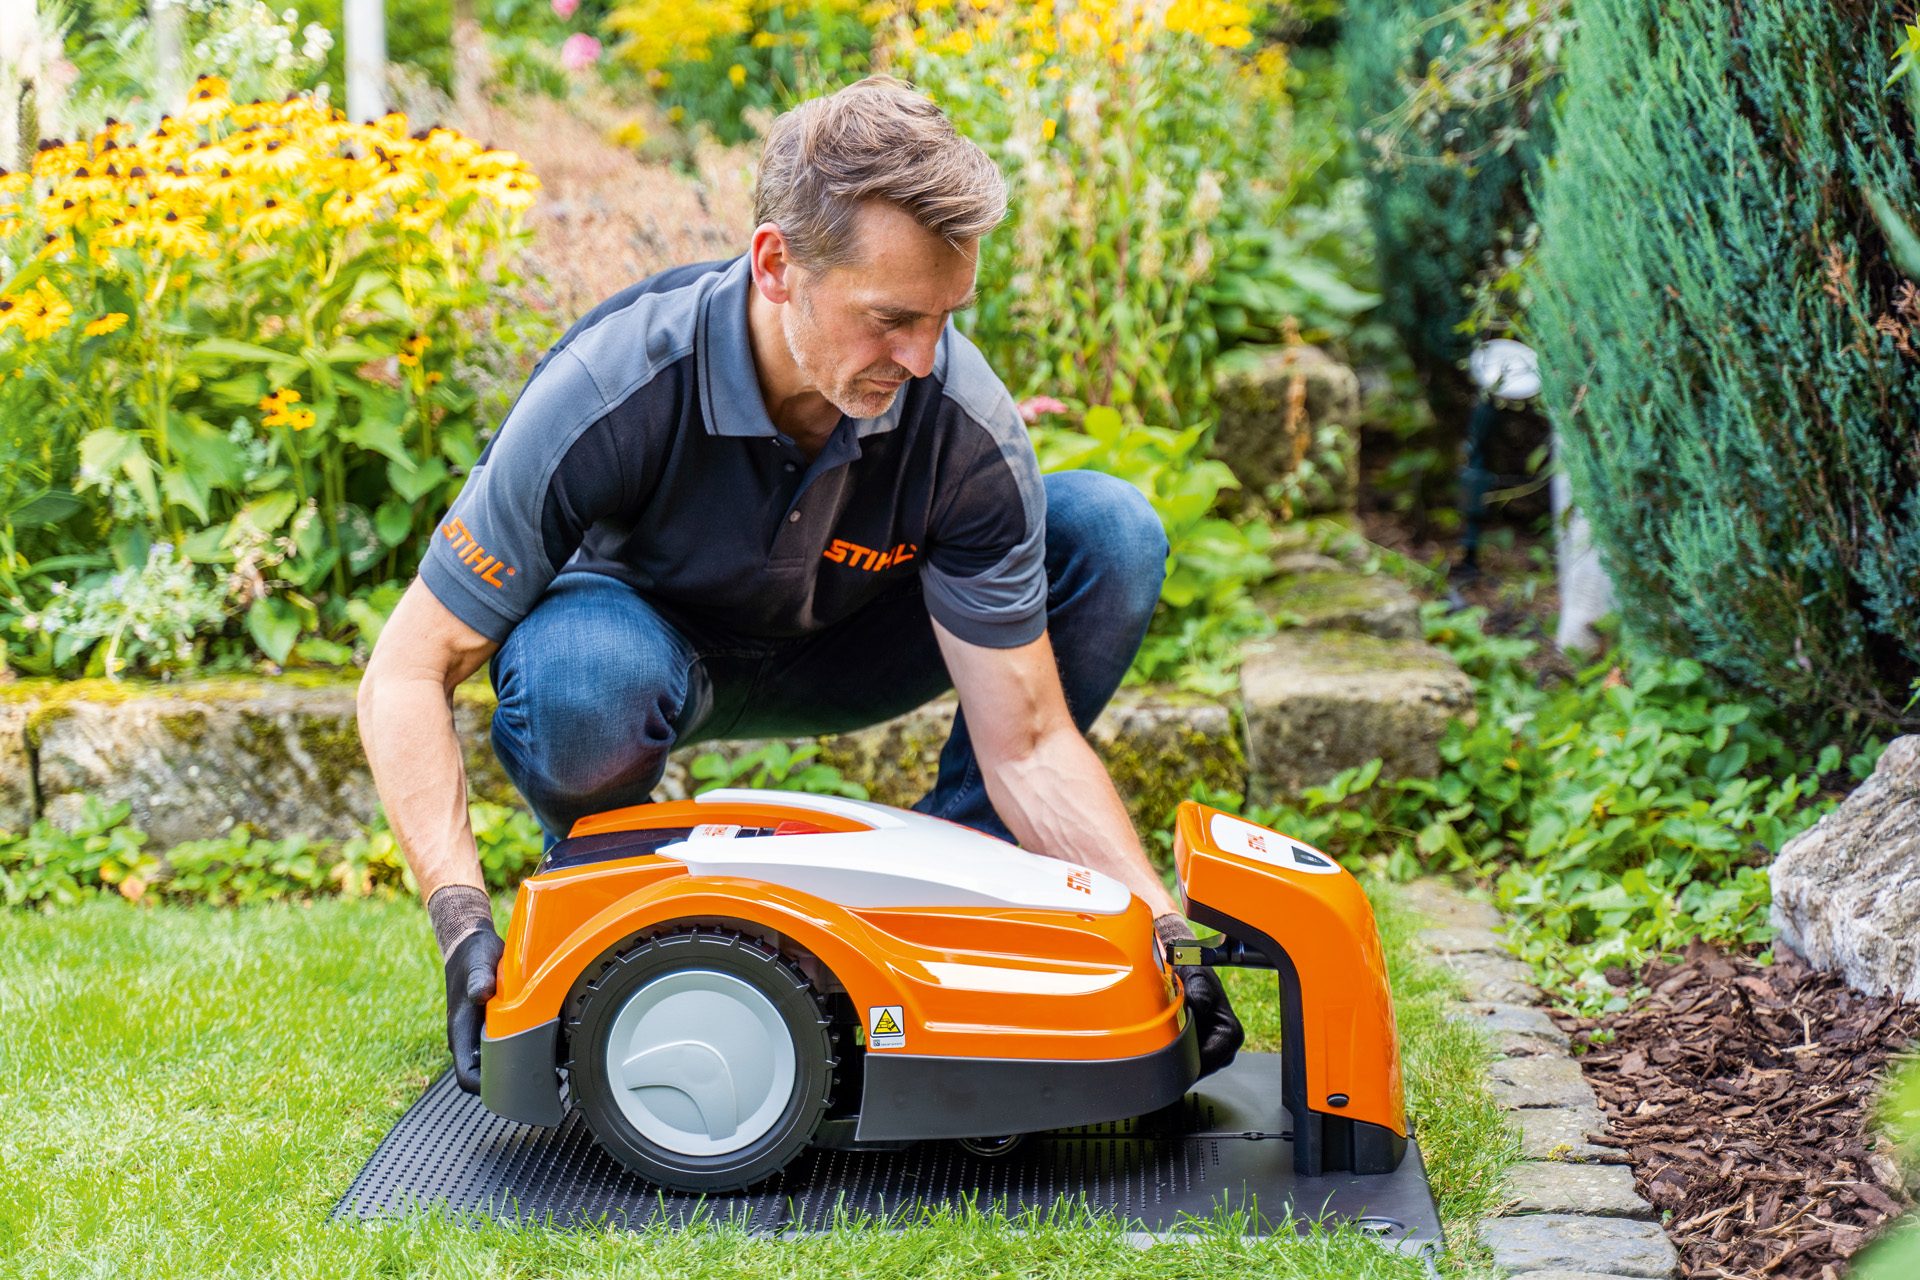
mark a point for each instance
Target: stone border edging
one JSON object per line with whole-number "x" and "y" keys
{"x": 1575, "y": 1214}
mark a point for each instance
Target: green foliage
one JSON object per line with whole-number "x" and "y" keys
{"x": 274, "y": 361}
{"x": 1205, "y": 606}
{"x": 49, "y": 867}
{"x": 1453, "y": 104}
{"x": 1727, "y": 345}
{"x": 1618, "y": 815}
{"x": 1152, "y": 167}
{"x": 777, "y": 767}
{"x": 1896, "y": 1255}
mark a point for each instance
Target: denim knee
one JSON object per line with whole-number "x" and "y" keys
{"x": 591, "y": 684}
{"x": 1100, "y": 529}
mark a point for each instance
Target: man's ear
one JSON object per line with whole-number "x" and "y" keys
{"x": 773, "y": 270}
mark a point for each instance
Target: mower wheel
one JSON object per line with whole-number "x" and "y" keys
{"x": 701, "y": 1060}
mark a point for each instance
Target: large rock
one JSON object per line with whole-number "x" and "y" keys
{"x": 1288, "y": 422}
{"x": 284, "y": 755}
{"x": 192, "y": 759}
{"x": 1846, "y": 892}
{"x": 1318, "y": 702}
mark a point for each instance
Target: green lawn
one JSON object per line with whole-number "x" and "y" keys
{"x": 185, "y": 1092}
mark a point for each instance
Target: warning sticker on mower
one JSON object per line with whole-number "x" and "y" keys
{"x": 887, "y": 1027}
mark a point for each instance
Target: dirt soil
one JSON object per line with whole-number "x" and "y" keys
{"x": 1744, "y": 1096}
{"x": 605, "y": 217}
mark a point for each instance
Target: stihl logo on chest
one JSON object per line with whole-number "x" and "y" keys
{"x": 855, "y": 556}
{"x": 473, "y": 555}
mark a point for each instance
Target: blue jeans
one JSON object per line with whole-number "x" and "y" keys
{"x": 598, "y": 684}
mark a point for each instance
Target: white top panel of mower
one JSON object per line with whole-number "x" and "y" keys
{"x": 906, "y": 860}
{"x": 1240, "y": 837}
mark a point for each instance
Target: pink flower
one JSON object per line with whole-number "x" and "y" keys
{"x": 565, "y": 9}
{"x": 579, "y": 52}
{"x": 1034, "y": 406}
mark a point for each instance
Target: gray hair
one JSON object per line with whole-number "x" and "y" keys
{"x": 876, "y": 139}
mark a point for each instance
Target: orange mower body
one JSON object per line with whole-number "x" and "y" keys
{"x": 718, "y": 983}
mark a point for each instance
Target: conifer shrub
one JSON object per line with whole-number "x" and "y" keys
{"x": 1727, "y": 344}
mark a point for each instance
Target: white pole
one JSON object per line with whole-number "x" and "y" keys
{"x": 366, "y": 22}
{"x": 169, "y": 53}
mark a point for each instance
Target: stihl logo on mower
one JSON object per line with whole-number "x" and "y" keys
{"x": 1081, "y": 881}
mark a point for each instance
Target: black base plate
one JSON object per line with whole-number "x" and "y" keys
{"x": 1223, "y": 1148}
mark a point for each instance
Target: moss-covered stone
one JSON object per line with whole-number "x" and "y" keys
{"x": 1318, "y": 702}
{"x": 1322, "y": 600}
{"x": 1273, "y": 406}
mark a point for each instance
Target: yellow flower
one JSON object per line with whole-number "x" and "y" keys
{"x": 350, "y": 208}
{"x": 57, "y": 162}
{"x": 37, "y": 312}
{"x": 12, "y": 184}
{"x": 281, "y": 158}
{"x": 394, "y": 181}
{"x": 420, "y": 216}
{"x": 208, "y": 101}
{"x": 273, "y": 215}
{"x": 1049, "y": 127}
{"x": 174, "y": 234}
{"x": 412, "y": 348}
{"x": 513, "y": 190}
{"x": 279, "y": 410}
{"x": 105, "y": 324}
{"x": 737, "y": 74}
{"x": 434, "y": 376}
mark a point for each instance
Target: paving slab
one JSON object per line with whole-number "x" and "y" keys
{"x": 1561, "y": 1242}
{"x": 1541, "y": 1082}
{"x": 1519, "y": 1020}
{"x": 1492, "y": 979}
{"x": 1453, "y": 940}
{"x": 1573, "y": 1275}
{"x": 1605, "y": 1190}
{"x": 1560, "y": 1133}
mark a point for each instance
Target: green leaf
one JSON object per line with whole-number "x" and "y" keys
{"x": 418, "y": 483}
{"x": 1902, "y": 243}
{"x": 283, "y": 364}
{"x": 187, "y": 489}
{"x": 274, "y": 625}
{"x": 48, "y": 507}
{"x": 393, "y": 521}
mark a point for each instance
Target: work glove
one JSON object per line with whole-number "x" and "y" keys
{"x": 1215, "y": 1026}
{"x": 463, "y": 926}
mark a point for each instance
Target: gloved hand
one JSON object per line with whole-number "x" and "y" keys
{"x": 1220, "y": 1032}
{"x": 1217, "y": 1029}
{"x": 463, "y": 925}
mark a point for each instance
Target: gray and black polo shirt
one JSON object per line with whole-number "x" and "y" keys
{"x": 641, "y": 449}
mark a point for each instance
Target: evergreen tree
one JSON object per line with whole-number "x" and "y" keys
{"x": 1726, "y": 341}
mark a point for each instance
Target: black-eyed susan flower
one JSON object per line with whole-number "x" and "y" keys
{"x": 108, "y": 323}
{"x": 207, "y": 101}
{"x": 420, "y": 215}
{"x": 412, "y": 349}
{"x": 279, "y": 410}
{"x": 274, "y": 214}
{"x": 350, "y": 208}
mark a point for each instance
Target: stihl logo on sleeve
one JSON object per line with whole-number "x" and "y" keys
{"x": 473, "y": 555}
{"x": 855, "y": 556}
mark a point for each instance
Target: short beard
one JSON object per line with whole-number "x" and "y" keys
{"x": 803, "y": 338}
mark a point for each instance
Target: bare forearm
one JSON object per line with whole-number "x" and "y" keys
{"x": 1058, "y": 800}
{"x": 406, "y": 727}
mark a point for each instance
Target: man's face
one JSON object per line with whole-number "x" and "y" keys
{"x": 858, "y": 332}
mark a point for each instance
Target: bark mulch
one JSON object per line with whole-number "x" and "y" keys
{"x": 1743, "y": 1095}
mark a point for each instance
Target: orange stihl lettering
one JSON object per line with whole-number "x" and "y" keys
{"x": 470, "y": 553}
{"x": 855, "y": 556}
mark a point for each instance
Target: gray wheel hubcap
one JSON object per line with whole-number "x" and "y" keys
{"x": 701, "y": 1062}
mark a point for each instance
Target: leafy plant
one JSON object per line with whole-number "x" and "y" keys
{"x": 1206, "y": 609}
{"x": 254, "y": 335}
{"x": 49, "y": 867}
{"x": 775, "y": 766}
{"x": 1150, "y": 164}
{"x": 1618, "y": 815}
{"x": 510, "y": 842}
{"x": 240, "y": 867}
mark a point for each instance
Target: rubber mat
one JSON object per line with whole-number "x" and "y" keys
{"x": 1225, "y": 1148}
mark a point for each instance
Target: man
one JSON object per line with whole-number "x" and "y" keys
{"x": 775, "y": 496}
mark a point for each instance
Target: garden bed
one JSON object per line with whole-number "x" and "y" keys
{"x": 1744, "y": 1094}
